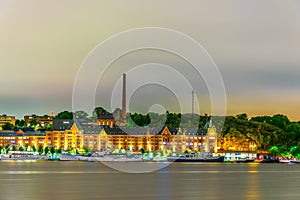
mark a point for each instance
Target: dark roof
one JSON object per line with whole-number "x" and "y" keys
{"x": 173, "y": 131}
{"x": 137, "y": 130}
{"x": 28, "y": 133}
{"x": 114, "y": 131}
{"x": 62, "y": 124}
{"x": 106, "y": 116}
{"x": 34, "y": 133}
{"x": 195, "y": 131}
{"x": 26, "y": 129}
{"x": 91, "y": 129}
{"x": 83, "y": 121}
{"x": 7, "y": 133}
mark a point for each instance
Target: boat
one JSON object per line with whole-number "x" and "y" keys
{"x": 246, "y": 160}
{"x": 295, "y": 161}
{"x": 284, "y": 160}
{"x": 105, "y": 158}
{"x": 68, "y": 157}
{"x": 266, "y": 160}
{"x": 195, "y": 158}
{"x": 20, "y": 155}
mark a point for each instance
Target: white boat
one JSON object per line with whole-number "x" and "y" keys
{"x": 67, "y": 157}
{"x": 196, "y": 158}
{"x": 284, "y": 161}
{"x": 106, "y": 158}
{"x": 21, "y": 155}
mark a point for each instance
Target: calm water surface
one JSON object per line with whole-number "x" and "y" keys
{"x": 49, "y": 180}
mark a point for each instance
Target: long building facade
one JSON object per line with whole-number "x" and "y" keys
{"x": 74, "y": 134}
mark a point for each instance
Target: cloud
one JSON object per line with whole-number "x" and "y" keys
{"x": 255, "y": 44}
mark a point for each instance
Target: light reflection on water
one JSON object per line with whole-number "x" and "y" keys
{"x": 253, "y": 190}
{"x": 87, "y": 180}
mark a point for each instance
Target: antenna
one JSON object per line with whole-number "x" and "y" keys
{"x": 193, "y": 94}
{"x": 193, "y": 103}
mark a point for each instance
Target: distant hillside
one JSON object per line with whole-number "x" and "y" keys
{"x": 261, "y": 133}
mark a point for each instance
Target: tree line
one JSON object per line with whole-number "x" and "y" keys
{"x": 276, "y": 133}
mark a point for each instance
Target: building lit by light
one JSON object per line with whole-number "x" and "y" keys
{"x": 44, "y": 120}
{"x": 7, "y": 119}
{"x": 76, "y": 134}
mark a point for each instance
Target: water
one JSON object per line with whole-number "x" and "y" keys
{"x": 49, "y": 180}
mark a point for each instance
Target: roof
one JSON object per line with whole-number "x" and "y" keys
{"x": 209, "y": 124}
{"x": 7, "y": 133}
{"x": 88, "y": 128}
{"x": 83, "y": 121}
{"x": 196, "y": 131}
{"x": 62, "y": 124}
{"x": 20, "y": 131}
{"x": 91, "y": 129}
{"x": 137, "y": 130}
{"x": 34, "y": 133}
{"x": 114, "y": 131}
{"x": 66, "y": 124}
{"x": 25, "y": 129}
{"x": 106, "y": 116}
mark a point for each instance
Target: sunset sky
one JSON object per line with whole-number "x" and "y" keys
{"x": 255, "y": 44}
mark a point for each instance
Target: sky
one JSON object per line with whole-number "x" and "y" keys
{"x": 255, "y": 45}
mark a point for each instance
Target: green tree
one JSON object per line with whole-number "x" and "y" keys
{"x": 52, "y": 150}
{"x": 26, "y": 147}
{"x": 280, "y": 121}
{"x": 242, "y": 116}
{"x": 274, "y": 150}
{"x": 7, "y": 126}
{"x": 46, "y": 150}
{"x": 1, "y": 150}
{"x": 84, "y": 150}
{"x": 173, "y": 120}
{"x": 20, "y": 123}
{"x": 40, "y": 150}
{"x": 59, "y": 151}
{"x": 21, "y": 148}
{"x": 14, "y": 148}
{"x": 6, "y": 149}
{"x": 140, "y": 120}
{"x": 295, "y": 150}
{"x": 65, "y": 115}
{"x": 98, "y": 111}
{"x": 81, "y": 114}
{"x": 142, "y": 150}
{"x": 33, "y": 123}
{"x": 33, "y": 148}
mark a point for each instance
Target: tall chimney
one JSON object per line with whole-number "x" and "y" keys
{"x": 124, "y": 99}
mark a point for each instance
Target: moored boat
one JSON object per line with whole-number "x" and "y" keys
{"x": 266, "y": 160}
{"x": 247, "y": 160}
{"x": 20, "y": 155}
{"x": 106, "y": 158}
{"x": 195, "y": 158}
{"x": 295, "y": 161}
{"x": 284, "y": 160}
{"x": 67, "y": 157}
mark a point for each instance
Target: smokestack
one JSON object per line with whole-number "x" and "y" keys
{"x": 124, "y": 99}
